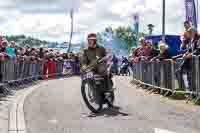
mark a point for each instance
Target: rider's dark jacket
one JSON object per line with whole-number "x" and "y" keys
{"x": 90, "y": 55}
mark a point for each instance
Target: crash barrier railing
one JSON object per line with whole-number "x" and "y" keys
{"x": 12, "y": 70}
{"x": 168, "y": 76}
{"x": 71, "y": 66}
{"x": 18, "y": 72}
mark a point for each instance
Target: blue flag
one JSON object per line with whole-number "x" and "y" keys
{"x": 191, "y": 12}
{"x": 136, "y": 23}
{"x": 197, "y": 5}
{"x": 136, "y": 26}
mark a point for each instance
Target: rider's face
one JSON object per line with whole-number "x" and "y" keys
{"x": 92, "y": 43}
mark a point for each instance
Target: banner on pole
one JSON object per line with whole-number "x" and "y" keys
{"x": 136, "y": 23}
{"x": 197, "y": 3}
{"x": 136, "y": 27}
{"x": 191, "y": 12}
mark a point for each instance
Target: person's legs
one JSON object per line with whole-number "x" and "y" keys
{"x": 191, "y": 83}
{"x": 179, "y": 77}
{"x": 186, "y": 81}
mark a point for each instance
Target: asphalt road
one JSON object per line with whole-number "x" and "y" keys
{"x": 58, "y": 108}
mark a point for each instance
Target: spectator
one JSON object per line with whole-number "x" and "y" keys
{"x": 143, "y": 52}
{"x": 3, "y": 46}
{"x": 185, "y": 71}
{"x": 163, "y": 56}
{"x": 115, "y": 62}
{"x": 28, "y": 51}
{"x": 164, "y": 53}
{"x": 11, "y": 50}
{"x": 67, "y": 64}
{"x": 41, "y": 53}
{"x": 154, "y": 52}
{"x": 77, "y": 65}
{"x": 185, "y": 38}
{"x": 3, "y": 53}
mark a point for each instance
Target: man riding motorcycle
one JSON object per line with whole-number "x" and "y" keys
{"x": 124, "y": 69}
{"x": 90, "y": 56}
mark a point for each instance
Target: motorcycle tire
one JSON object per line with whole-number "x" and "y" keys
{"x": 86, "y": 100}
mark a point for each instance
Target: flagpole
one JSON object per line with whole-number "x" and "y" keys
{"x": 197, "y": 13}
{"x": 71, "y": 33}
{"x": 163, "y": 20}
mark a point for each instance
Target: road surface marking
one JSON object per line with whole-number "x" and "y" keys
{"x": 53, "y": 121}
{"x": 157, "y": 130}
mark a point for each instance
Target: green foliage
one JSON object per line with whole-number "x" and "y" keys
{"x": 127, "y": 35}
{"x": 23, "y": 41}
{"x": 99, "y": 38}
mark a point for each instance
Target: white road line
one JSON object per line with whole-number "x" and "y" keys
{"x": 157, "y": 130}
{"x": 16, "y": 113}
{"x": 53, "y": 121}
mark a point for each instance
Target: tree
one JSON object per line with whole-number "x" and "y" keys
{"x": 127, "y": 35}
{"x": 99, "y": 39}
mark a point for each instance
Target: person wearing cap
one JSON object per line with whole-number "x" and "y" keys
{"x": 185, "y": 71}
{"x": 90, "y": 56}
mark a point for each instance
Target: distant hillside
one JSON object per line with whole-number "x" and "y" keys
{"x": 23, "y": 41}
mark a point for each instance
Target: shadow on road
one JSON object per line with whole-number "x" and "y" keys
{"x": 110, "y": 112}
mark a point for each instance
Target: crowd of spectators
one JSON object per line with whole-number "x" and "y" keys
{"x": 190, "y": 47}
{"x": 10, "y": 51}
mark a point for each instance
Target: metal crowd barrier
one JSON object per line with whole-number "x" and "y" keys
{"x": 155, "y": 74}
{"x": 59, "y": 68}
{"x": 71, "y": 66}
{"x": 163, "y": 75}
{"x": 18, "y": 72}
{"x": 13, "y": 70}
{"x": 196, "y": 77}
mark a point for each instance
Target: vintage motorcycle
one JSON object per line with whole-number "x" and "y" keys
{"x": 97, "y": 90}
{"x": 124, "y": 69}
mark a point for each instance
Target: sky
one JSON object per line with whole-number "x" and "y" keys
{"x": 50, "y": 19}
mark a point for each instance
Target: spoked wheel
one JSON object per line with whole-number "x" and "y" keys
{"x": 92, "y": 98}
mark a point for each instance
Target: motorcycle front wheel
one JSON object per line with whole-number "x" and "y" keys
{"x": 91, "y": 97}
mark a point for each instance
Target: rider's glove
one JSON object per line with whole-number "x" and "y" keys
{"x": 84, "y": 67}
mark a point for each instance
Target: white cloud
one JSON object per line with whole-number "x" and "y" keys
{"x": 49, "y": 19}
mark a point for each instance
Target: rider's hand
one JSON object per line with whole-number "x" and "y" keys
{"x": 185, "y": 56}
{"x": 157, "y": 60}
{"x": 84, "y": 67}
{"x": 189, "y": 56}
{"x": 151, "y": 60}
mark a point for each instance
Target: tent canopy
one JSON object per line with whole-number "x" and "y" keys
{"x": 173, "y": 41}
